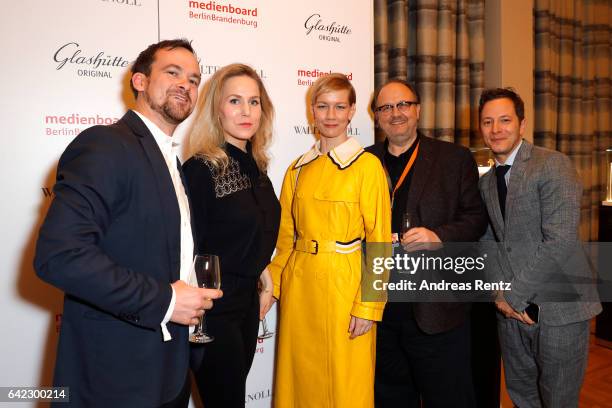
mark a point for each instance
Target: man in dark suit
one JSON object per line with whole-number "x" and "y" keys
{"x": 423, "y": 349}
{"x": 117, "y": 240}
{"x": 533, "y": 201}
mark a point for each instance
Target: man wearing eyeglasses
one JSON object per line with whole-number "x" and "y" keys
{"x": 423, "y": 349}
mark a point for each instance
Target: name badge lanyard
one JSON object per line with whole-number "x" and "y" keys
{"x": 403, "y": 176}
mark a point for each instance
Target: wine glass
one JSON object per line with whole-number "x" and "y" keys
{"x": 205, "y": 273}
{"x": 266, "y": 334}
{"x": 408, "y": 222}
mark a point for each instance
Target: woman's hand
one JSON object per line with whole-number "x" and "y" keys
{"x": 266, "y": 300}
{"x": 359, "y": 326}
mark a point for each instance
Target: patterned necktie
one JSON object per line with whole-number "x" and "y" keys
{"x": 502, "y": 189}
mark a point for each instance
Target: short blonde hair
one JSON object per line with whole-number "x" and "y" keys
{"x": 206, "y": 138}
{"x": 332, "y": 82}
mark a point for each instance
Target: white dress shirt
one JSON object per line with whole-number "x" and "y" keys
{"x": 169, "y": 150}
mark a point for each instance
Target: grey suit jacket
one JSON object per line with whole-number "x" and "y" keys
{"x": 538, "y": 240}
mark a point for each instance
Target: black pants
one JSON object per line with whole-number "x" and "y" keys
{"x": 234, "y": 322}
{"x": 486, "y": 355}
{"x": 414, "y": 367}
{"x": 182, "y": 399}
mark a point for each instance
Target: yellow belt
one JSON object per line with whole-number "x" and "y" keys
{"x": 313, "y": 246}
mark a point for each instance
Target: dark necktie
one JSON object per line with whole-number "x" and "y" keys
{"x": 502, "y": 189}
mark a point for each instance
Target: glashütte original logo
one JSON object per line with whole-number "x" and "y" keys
{"x": 87, "y": 64}
{"x": 222, "y": 12}
{"x": 124, "y": 2}
{"x": 327, "y": 31}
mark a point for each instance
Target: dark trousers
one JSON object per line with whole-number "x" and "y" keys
{"x": 221, "y": 378}
{"x": 486, "y": 355}
{"x": 182, "y": 399}
{"x": 414, "y": 367}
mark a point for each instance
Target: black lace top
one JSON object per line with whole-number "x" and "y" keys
{"x": 235, "y": 213}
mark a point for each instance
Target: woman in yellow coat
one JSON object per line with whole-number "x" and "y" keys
{"x": 333, "y": 198}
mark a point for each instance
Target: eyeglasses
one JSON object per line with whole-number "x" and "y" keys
{"x": 402, "y": 106}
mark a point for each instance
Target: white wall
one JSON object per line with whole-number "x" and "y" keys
{"x": 66, "y": 60}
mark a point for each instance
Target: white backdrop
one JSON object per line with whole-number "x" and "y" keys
{"x": 65, "y": 67}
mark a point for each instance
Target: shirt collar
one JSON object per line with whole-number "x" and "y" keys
{"x": 342, "y": 155}
{"x": 245, "y": 159}
{"x": 510, "y": 159}
{"x": 165, "y": 142}
{"x": 236, "y": 151}
{"x": 404, "y": 155}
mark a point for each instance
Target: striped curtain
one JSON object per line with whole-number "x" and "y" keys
{"x": 573, "y": 90}
{"x": 439, "y": 46}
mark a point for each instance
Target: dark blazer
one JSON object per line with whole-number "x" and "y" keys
{"x": 444, "y": 195}
{"x": 111, "y": 242}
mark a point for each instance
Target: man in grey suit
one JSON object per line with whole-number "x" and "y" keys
{"x": 533, "y": 201}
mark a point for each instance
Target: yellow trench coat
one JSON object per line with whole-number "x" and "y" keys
{"x": 339, "y": 197}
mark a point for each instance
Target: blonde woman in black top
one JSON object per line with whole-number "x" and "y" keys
{"x": 236, "y": 216}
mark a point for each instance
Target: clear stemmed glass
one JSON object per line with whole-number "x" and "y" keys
{"x": 407, "y": 223}
{"x": 205, "y": 273}
{"x": 266, "y": 334}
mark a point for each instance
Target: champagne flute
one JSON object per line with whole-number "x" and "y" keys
{"x": 407, "y": 223}
{"x": 205, "y": 273}
{"x": 266, "y": 334}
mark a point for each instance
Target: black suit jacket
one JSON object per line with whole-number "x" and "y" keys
{"x": 111, "y": 242}
{"x": 444, "y": 195}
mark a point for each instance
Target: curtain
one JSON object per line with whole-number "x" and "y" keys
{"x": 572, "y": 81}
{"x": 438, "y": 45}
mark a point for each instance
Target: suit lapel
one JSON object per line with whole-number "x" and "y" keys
{"x": 422, "y": 167}
{"x": 378, "y": 150}
{"x": 517, "y": 176}
{"x": 184, "y": 181}
{"x": 492, "y": 199}
{"x": 171, "y": 216}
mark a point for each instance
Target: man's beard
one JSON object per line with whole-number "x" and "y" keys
{"x": 171, "y": 111}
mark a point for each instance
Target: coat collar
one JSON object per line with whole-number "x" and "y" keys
{"x": 342, "y": 155}
{"x": 492, "y": 198}
{"x": 136, "y": 124}
{"x": 427, "y": 156}
{"x": 171, "y": 215}
{"x": 517, "y": 175}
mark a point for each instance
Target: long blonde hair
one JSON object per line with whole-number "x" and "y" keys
{"x": 206, "y": 138}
